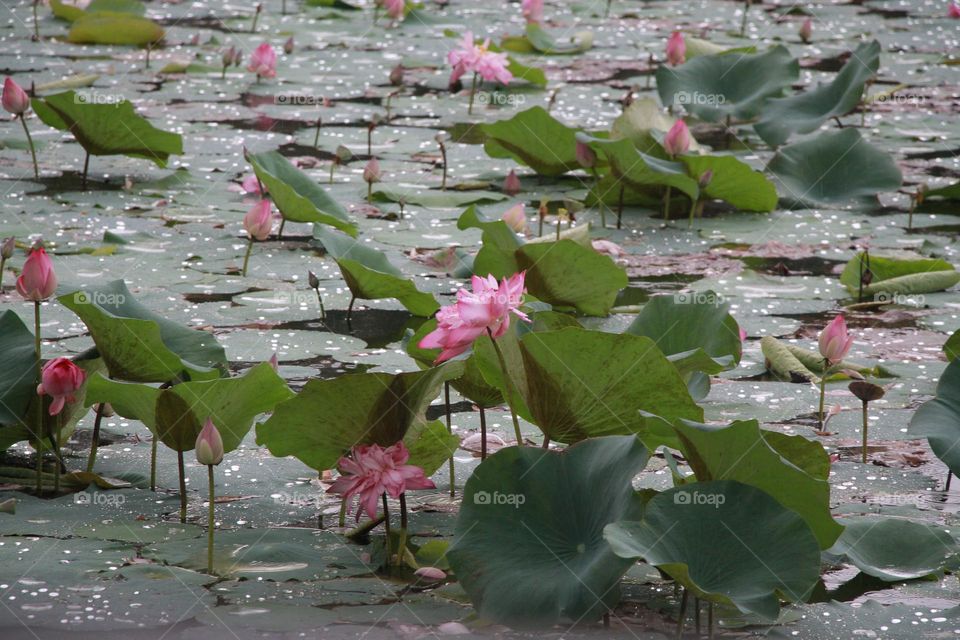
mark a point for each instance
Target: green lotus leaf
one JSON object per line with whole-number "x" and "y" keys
{"x": 18, "y": 379}
{"x": 533, "y": 138}
{"x": 528, "y": 546}
{"x": 545, "y": 42}
{"x": 894, "y": 549}
{"x": 890, "y": 277}
{"x": 108, "y": 129}
{"x": 726, "y": 542}
{"x": 114, "y": 29}
{"x": 639, "y": 171}
{"x": 297, "y": 196}
{"x": 568, "y": 274}
{"x": 939, "y": 419}
{"x": 733, "y": 181}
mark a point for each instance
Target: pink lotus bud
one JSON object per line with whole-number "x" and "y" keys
{"x": 705, "y": 179}
{"x": 395, "y": 8}
{"x": 288, "y": 46}
{"x": 60, "y": 379}
{"x": 835, "y": 341}
{"x": 275, "y": 362}
{"x": 806, "y": 30}
{"x": 511, "y": 184}
{"x": 251, "y": 184}
{"x": 263, "y": 61}
{"x": 677, "y": 140}
{"x": 743, "y": 334}
{"x": 516, "y": 218}
{"x": 532, "y": 10}
{"x": 676, "y": 49}
{"x": 396, "y": 76}
{"x": 37, "y": 281}
{"x": 259, "y": 221}
{"x": 953, "y": 10}
{"x": 209, "y": 448}
{"x": 15, "y": 100}
{"x": 371, "y": 172}
{"x": 227, "y": 56}
{"x": 585, "y": 156}
{"x": 430, "y": 573}
{"x": 7, "y": 248}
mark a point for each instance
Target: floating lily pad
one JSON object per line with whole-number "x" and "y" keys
{"x": 894, "y": 549}
{"x": 890, "y": 277}
{"x": 115, "y": 29}
{"x": 434, "y": 198}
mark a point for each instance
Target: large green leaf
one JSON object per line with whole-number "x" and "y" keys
{"x": 139, "y": 345}
{"x": 891, "y": 276}
{"x": 640, "y": 171}
{"x": 894, "y": 549}
{"x": 176, "y": 414}
{"x": 299, "y": 198}
{"x": 951, "y": 348}
{"x": 939, "y": 419}
{"x": 836, "y": 166}
{"x": 805, "y": 112}
{"x": 371, "y": 276}
{"x": 534, "y": 138}
{"x": 792, "y": 469}
{"x": 528, "y": 546}
{"x": 329, "y": 417}
{"x": 497, "y": 255}
{"x": 430, "y": 445}
{"x": 568, "y": 274}
{"x": 115, "y": 28}
{"x": 714, "y": 87}
{"x": 581, "y": 384}
{"x": 18, "y": 377}
{"x": 733, "y": 181}
{"x": 727, "y": 542}
{"x": 108, "y": 129}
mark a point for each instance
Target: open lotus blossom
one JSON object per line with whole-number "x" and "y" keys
{"x": 532, "y": 10}
{"x": 677, "y": 140}
{"x": 676, "y": 49}
{"x": 835, "y": 341}
{"x": 258, "y": 222}
{"x": 37, "y": 281}
{"x": 15, "y": 100}
{"x": 470, "y": 57}
{"x": 487, "y": 308}
{"x": 209, "y": 446}
{"x": 516, "y": 218}
{"x": 60, "y": 379}
{"x": 263, "y": 61}
{"x": 371, "y": 470}
{"x": 953, "y": 10}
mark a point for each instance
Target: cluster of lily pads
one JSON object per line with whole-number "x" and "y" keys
{"x": 547, "y": 527}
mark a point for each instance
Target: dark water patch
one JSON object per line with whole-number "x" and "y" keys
{"x": 439, "y": 411}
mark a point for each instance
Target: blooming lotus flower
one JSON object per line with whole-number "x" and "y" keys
{"x": 485, "y": 309}
{"x": 15, "y": 100}
{"x": 209, "y": 448}
{"x": 677, "y": 140}
{"x": 806, "y": 30}
{"x": 676, "y": 49}
{"x": 263, "y": 61}
{"x": 60, "y": 379}
{"x": 532, "y": 10}
{"x": 471, "y": 57}
{"x": 953, "y": 10}
{"x": 258, "y": 222}
{"x": 835, "y": 341}
{"x": 371, "y": 470}
{"x": 516, "y": 218}
{"x": 511, "y": 184}
{"x": 37, "y": 281}
{"x": 585, "y": 156}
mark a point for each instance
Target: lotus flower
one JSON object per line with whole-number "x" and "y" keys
{"x": 430, "y": 573}
{"x": 511, "y": 184}
{"x": 471, "y": 57}
{"x": 806, "y": 30}
{"x": 676, "y": 49}
{"x": 209, "y": 448}
{"x": 37, "y": 281}
{"x": 371, "y": 172}
{"x": 532, "y": 10}
{"x": 60, "y": 379}
{"x": 835, "y": 341}
{"x": 487, "y": 308}
{"x": 371, "y": 470}
{"x": 953, "y": 10}
{"x": 7, "y": 247}
{"x": 585, "y": 156}
{"x": 516, "y": 218}
{"x": 251, "y": 184}
{"x": 15, "y": 100}
{"x": 259, "y": 221}
{"x": 263, "y": 61}
{"x": 607, "y": 248}
{"x": 395, "y": 8}
{"x": 677, "y": 140}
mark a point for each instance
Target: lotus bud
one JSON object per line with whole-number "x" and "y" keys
{"x": 953, "y": 10}
{"x": 275, "y": 362}
{"x": 511, "y": 184}
{"x": 227, "y": 56}
{"x": 676, "y": 49}
{"x": 343, "y": 154}
{"x": 585, "y": 156}
{"x": 835, "y": 341}
{"x": 313, "y": 280}
{"x": 37, "y": 280}
{"x": 705, "y": 179}
{"x": 7, "y": 247}
{"x": 371, "y": 172}
{"x": 209, "y": 448}
{"x": 806, "y": 30}
{"x": 258, "y": 222}
{"x": 677, "y": 140}
{"x": 15, "y": 100}
{"x": 396, "y": 76}
{"x": 288, "y": 46}
{"x": 516, "y": 218}
{"x": 430, "y": 573}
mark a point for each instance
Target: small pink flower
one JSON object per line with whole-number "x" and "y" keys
{"x": 511, "y": 184}
{"x": 532, "y": 10}
{"x": 607, "y": 248}
{"x": 275, "y": 362}
{"x": 676, "y": 49}
{"x": 395, "y": 8}
{"x": 258, "y": 222}
{"x": 471, "y": 57}
{"x": 487, "y": 308}
{"x": 15, "y": 100}
{"x": 371, "y": 470}
{"x": 371, "y": 172}
{"x": 60, "y": 379}
{"x": 263, "y": 61}
{"x": 953, "y": 10}
{"x": 209, "y": 447}
{"x": 585, "y": 156}
{"x": 806, "y": 30}
{"x": 250, "y": 184}
{"x": 677, "y": 140}
{"x": 835, "y": 341}
{"x": 37, "y": 281}
{"x": 516, "y": 218}
{"x": 430, "y": 573}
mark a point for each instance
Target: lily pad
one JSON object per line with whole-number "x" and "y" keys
{"x": 640, "y": 171}
{"x": 545, "y": 42}
{"x": 115, "y": 29}
{"x": 436, "y": 199}
{"x": 939, "y": 419}
{"x": 894, "y": 549}
{"x": 890, "y": 277}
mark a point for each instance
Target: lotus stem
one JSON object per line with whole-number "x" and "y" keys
{"x": 183, "y": 487}
{"x": 58, "y": 463}
{"x": 949, "y": 478}
{"x": 446, "y": 399}
{"x": 223, "y": 72}
{"x": 36, "y": 21}
{"x": 558, "y": 228}
{"x": 86, "y": 168}
{"x": 253, "y": 27}
{"x": 693, "y": 210}
{"x": 483, "y": 433}
{"x": 864, "y": 448}
{"x": 350, "y": 308}
{"x": 473, "y": 91}
{"x": 342, "y": 518}
{"x": 823, "y": 393}
{"x": 508, "y": 384}
{"x": 316, "y": 136}
{"x": 3, "y": 265}
{"x": 210, "y": 520}
{"x": 402, "y": 546}
{"x": 323, "y": 312}
{"x": 666, "y": 204}
{"x": 33, "y": 151}
{"x": 246, "y": 258}
{"x": 370, "y": 128}
{"x": 683, "y": 613}
{"x": 283, "y": 222}
{"x": 620, "y": 206}
{"x": 153, "y": 464}
{"x": 39, "y": 400}
{"x": 743, "y": 23}
{"x": 386, "y": 524}
{"x": 443, "y": 156}
{"x": 710, "y": 620}
{"x": 92, "y": 458}
{"x": 546, "y": 442}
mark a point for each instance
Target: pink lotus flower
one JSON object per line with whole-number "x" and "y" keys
{"x": 250, "y": 184}
{"x": 259, "y": 221}
{"x": 263, "y": 61}
{"x": 371, "y": 470}
{"x": 275, "y": 362}
{"x": 585, "y": 156}
{"x": 395, "y": 8}
{"x": 835, "y": 341}
{"x": 15, "y": 100}
{"x": 473, "y": 58}
{"x": 37, "y": 281}
{"x": 430, "y": 573}
{"x": 806, "y": 30}
{"x": 953, "y": 10}
{"x": 60, "y": 379}
{"x": 677, "y": 140}
{"x": 516, "y": 218}
{"x": 209, "y": 447}
{"x": 532, "y": 10}
{"x": 607, "y": 248}
{"x": 511, "y": 184}
{"x": 486, "y": 308}
{"x": 371, "y": 172}
{"x": 676, "y": 49}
